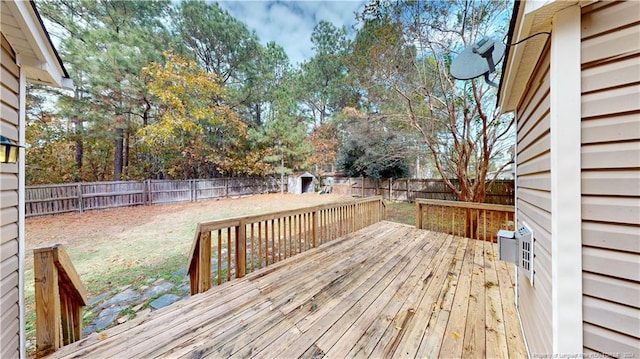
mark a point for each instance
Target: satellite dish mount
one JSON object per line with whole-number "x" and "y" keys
{"x": 478, "y": 60}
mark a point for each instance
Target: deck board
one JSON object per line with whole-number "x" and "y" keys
{"x": 388, "y": 290}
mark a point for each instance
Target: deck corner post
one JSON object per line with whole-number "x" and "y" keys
{"x": 204, "y": 262}
{"x": 47, "y": 297}
{"x": 241, "y": 249}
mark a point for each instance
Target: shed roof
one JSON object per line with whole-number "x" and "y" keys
{"x": 301, "y": 174}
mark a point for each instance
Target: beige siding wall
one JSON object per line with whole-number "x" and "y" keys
{"x": 611, "y": 177}
{"x": 534, "y": 205}
{"x": 9, "y": 309}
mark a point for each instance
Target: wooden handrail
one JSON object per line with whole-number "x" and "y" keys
{"x": 267, "y": 238}
{"x": 473, "y": 220}
{"x": 60, "y": 296}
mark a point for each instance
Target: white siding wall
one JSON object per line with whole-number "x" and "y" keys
{"x": 9, "y": 291}
{"x": 611, "y": 177}
{"x": 534, "y": 205}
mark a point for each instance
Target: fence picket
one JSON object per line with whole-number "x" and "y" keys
{"x": 409, "y": 190}
{"x": 79, "y": 197}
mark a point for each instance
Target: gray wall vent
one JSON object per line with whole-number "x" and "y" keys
{"x": 525, "y": 251}
{"x": 517, "y": 247}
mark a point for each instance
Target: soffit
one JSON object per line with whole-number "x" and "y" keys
{"x": 21, "y": 26}
{"x": 525, "y": 56}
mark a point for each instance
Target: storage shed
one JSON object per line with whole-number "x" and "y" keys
{"x": 303, "y": 182}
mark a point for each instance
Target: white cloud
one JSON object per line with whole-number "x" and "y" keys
{"x": 290, "y": 23}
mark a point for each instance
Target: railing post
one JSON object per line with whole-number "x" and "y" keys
{"x": 314, "y": 227}
{"x": 418, "y": 215}
{"x": 204, "y": 262}
{"x": 354, "y": 213}
{"x": 241, "y": 250}
{"x": 47, "y": 297}
{"x": 59, "y": 297}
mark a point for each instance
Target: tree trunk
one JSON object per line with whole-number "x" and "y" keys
{"x": 117, "y": 156}
{"x": 78, "y": 137}
{"x": 258, "y": 115}
{"x": 471, "y": 222}
{"x": 79, "y": 149}
{"x": 126, "y": 154}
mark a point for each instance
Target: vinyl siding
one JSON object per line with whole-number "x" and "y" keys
{"x": 534, "y": 205}
{"x": 9, "y": 299}
{"x": 610, "y": 177}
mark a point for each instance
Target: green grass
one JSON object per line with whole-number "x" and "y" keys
{"x": 128, "y": 246}
{"x": 401, "y": 212}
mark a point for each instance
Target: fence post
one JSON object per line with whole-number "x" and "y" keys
{"x": 390, "y": 188}
{"x": 194, "y": 194}
{"x": 241, "y": 249}
{"x": 362, "y": 187}
{"x": 408, "y": 190}
{"x": 226, "y": 188}
{"x": 147, "y": 190}
{"x": 79, "y": 186}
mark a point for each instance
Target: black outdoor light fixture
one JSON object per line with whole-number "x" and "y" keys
{"x": 8, "y": 150}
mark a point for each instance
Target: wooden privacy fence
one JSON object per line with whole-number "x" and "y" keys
{"x": 410, "y": 189}
{"x": 59, "y": 296}
{"x": 244, "y": 244}
{"x": 79, "y": 197}
{"x": 473, "y": 220}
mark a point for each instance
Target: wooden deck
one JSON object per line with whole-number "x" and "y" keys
{"x": 388, "y": 290}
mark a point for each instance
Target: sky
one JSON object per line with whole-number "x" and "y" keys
{"x": 290, "y": 23}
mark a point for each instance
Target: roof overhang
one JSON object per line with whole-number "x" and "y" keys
{"x": 23, "y": 28}
{"x": 529, "y": 18}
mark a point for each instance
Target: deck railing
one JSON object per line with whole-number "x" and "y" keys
{"x": 473, "y": 220}
{"x": 59, "y": 296}
{"x": 244, "y": 244}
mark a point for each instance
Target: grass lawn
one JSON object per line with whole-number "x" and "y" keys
{"x": 401, "y": 212}
{"x": 127, "y": 246}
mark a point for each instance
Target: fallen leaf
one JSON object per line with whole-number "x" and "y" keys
{"x": 455, "y": 335}
{"x": 102, "y": 336}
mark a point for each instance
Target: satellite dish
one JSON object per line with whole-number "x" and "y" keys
{"x": 477, "y": 60}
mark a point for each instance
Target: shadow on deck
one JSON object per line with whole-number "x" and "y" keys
{"x": 388, "y": 290}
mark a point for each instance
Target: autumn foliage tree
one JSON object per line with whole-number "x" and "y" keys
{"x": 325, "y": 142}
{"x": 197, "y": 135}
